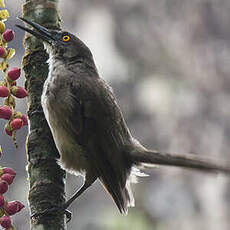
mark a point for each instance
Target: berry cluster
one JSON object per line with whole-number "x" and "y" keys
{"x": 7, "y": 209}
{"x": 9, "y": 90}
{"x": 8, "y": 87}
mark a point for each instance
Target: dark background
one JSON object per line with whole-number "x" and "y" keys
{"x": 168, "y": 62}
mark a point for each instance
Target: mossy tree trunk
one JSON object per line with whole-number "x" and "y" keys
{"x": 46, "y": 178}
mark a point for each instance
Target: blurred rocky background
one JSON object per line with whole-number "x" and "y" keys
{"x": 169, "y": 64}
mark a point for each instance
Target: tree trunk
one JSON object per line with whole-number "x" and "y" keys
{"x": 46, "y": 178}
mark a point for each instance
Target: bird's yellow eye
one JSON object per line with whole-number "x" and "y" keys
{"x": 66, "y": 38}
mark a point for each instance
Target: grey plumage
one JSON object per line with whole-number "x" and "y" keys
{"x": 87, "y": 124}
{"x": 85, "y": 121}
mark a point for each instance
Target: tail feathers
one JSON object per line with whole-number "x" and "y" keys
{"x": 146, "y": 157}
{"x": 141, "y": 157}
{"x": 128, "y": 199}
{"x": 123, "y": 197}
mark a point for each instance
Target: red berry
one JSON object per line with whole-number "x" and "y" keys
{"x": 20, "y": 206}
{"x": 13, "y": 207}
{"x": 19, "y": 91}
{"x": 2, "y": 201}
{"x": 16, "y": 123}
{"x": 14, "y": 73}
{"x": 3, "y": 187}
{"x": 5, "y": 112}
{"x": 5, "y": 221}
{"x": 9, "y": 171}
{"x": 8, "y": 35}
{"x": 8, "y": 178}
{"x": 24, "y": 119}
{"x": 4, "y": 92}
{"x": 2, "y": 52}
{"x": 8, "y": 131}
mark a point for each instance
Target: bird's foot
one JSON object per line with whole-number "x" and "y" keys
{"x": 51, "y": 211}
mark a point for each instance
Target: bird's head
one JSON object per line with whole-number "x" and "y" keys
{"x": 59, "y": 44}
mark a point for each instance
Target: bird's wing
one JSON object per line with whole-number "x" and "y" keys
{"x": 103, "y": 135}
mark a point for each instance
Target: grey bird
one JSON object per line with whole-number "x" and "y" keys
{"x": 87, "y": 124}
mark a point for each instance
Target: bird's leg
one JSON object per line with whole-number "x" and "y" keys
{"x": 86, "y": 184}
{"x": 63, "y": 207}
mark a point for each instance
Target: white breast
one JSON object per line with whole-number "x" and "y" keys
{"x": 72, "y": 155}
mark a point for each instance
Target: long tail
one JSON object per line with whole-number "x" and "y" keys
{"x": 187, "y": 161}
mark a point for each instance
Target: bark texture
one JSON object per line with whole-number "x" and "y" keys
{"x": 46, "y": 178}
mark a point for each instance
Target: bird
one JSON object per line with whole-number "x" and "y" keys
{"x": 87, "y": 124}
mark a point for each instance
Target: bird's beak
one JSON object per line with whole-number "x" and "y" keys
{"x": 39, "y": 31}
